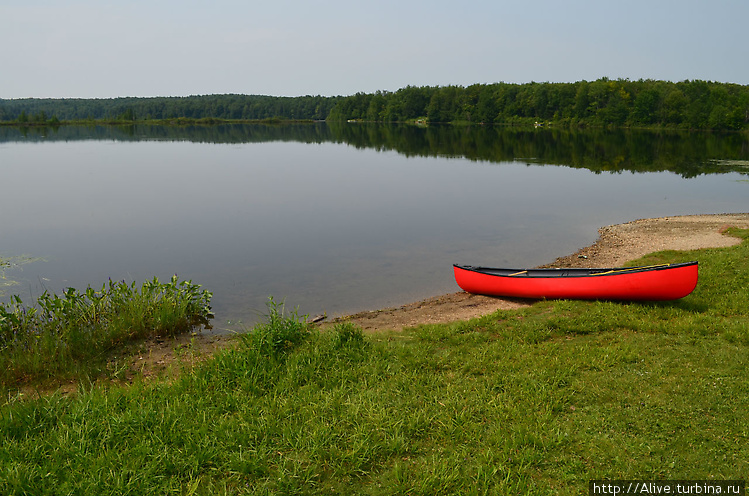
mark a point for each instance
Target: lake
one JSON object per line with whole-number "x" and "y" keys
{"x": 334, "y": 218}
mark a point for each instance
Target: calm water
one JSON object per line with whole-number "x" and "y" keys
{"x": 337, "y": 219}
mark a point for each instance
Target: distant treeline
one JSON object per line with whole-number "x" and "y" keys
{"x": 620, "y": 103}
{"x": 604, "y": 102}
{"x": 227, "y": 107}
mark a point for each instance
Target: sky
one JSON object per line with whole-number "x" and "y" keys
{"x": 142, "y": 48}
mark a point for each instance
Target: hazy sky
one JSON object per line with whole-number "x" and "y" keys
{"x": 102, "y": 48}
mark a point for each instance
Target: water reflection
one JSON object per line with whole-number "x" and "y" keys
{"x": 688, "y": 154}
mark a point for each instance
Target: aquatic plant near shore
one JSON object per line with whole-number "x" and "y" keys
{"x": 10, "y": 263}
{"x": 62, "y": 332}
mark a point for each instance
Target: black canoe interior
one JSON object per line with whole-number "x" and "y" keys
{"x": 562, "y": 272}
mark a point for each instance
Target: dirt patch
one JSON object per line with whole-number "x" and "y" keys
{"x": 616, "y": 245}
{"x": 165, "y": 357}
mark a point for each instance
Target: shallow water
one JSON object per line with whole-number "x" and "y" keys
{"x": 327, "y": 223}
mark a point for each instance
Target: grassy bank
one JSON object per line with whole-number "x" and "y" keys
{"x": 535, "y": 401}
{"x": 69, "y": 335}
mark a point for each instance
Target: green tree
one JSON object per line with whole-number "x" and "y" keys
{"x": 376, "y": 109}
{"x": 442, "y": 104}
{"x": 486, "y": 107}
{"x": 582, "y": 101}
{"x": 127, "y": 115}
{"x": 645, "y": 107}
{"x": 674, "y": 104}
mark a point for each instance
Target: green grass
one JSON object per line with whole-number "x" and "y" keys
{"x": 69, "y": 335}
{"x": 535, "y": 401}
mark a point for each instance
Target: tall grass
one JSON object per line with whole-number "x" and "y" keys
{"x": 536, "y": 401}
{"x": 62, "y": 333}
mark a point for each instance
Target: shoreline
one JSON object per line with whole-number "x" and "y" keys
{"x": 616, "y": 244}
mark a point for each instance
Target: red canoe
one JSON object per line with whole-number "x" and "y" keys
{"x": 651, "y": 283}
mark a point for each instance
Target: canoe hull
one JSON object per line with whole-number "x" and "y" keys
{"x": 652, "y": 283}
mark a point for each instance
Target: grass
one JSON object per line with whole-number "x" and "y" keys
{"x": 71, "y": 334}
{"x": 535, "y": 401}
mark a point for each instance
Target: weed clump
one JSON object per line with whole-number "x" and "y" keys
{"x": 282, "y": 331}
{"x": 62, "y": 332}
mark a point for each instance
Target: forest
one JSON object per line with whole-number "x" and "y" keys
{"x": 687, "y": 104}
{"x": 604, "y": 102}
{"x": 225, "y": 107}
